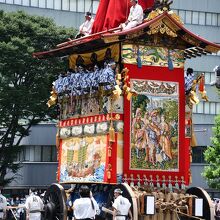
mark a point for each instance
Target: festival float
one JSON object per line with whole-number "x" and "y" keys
{"x": 125, "y": 118}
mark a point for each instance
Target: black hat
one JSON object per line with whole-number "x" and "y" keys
{"x": 189, "y": 70}
{"x": 88, "y": 14}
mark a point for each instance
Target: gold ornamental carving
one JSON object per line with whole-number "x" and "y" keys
{"x": 153, "y": 14}
{"x": 162, "y": 28}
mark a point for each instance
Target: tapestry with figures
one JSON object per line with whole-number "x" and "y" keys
{"x": 83, "y": 159}
{"x": 154, "y": 125}
{"x": 155, "y": 146}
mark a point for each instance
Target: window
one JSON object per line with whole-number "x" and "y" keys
{"x": 212, "y": 108}
{"x": 34, "y": 3}
{"x": 49, "y": 4}
{"x": 217, "y": 108}
{"x": 57, "y": 5}
{"x": 195, "y": 18}
{"x": 218, "y": 19}
{"x": 65, "y": 5}
{"x": 38, "y": 154}
{"x": 212, "y": 77}
{"x": 182, "y": 14}
{"x": 214, "y": 19}
{"x": 202, "y": 18}
{"x": 26, "y": 2}
{"x": 208, "y": 19}
{"x": 42, "y": 3}
{"x": 17, "y": 2}
{"x": 206, "y": 108}
{"x": 88, "y": 5}
{"x": 207, "y": 78}
{"x": 198, "y": 154}
{"x": 188, "y": 17}
{"x": 81, "y": 6}
{"x": 95, "y": 6}
{"x": 72, "y": 5}
{"x": 200, "y": 107}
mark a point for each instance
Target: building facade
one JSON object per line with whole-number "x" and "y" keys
{"x": 202, "y": 17}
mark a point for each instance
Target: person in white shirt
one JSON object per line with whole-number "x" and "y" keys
{"x": 3, "y": 206}
{"x": 34, "y": 206}
{"x": 135, "y": 16}
{"x": 85, "y": 208}
{"x": 86, "y": 27}
{"x": 121, "y": 206}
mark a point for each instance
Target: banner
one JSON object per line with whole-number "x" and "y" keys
{"x": 83, "y": 159}
{"x": 154, "y": 123}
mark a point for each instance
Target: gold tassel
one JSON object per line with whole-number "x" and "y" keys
{"x": 57, "y": 141}
{"x": 193, "y": 140}
{"x": 111, "y": 133}
{"x": 129, "y": 95}
{"x": 190, "y": 178}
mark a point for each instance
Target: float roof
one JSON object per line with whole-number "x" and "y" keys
{"x": 160, "y": 28}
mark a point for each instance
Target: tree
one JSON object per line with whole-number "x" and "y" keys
{"x": 25, "y": 81}
{"x": 212, "y": 157}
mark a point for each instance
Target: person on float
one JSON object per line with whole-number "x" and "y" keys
{"x": 135, "y": 17}
{"x": 85, "y": 207}
{"x": 189, "y": 80}
{"x": 85, "y": 28}
{"x": 121, "y": 206}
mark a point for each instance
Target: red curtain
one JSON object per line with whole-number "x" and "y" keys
{"x": 111, "y": 13}
{"x": 146, "y": 3}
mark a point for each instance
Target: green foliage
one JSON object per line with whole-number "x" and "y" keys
{"x": 212, "y": 157}
{"x": 141, "y": 102}
{"x": 25, "y": 81}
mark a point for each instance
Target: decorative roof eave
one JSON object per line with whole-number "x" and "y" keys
{"x": 169, "y": 24}
{"x": 164, "y": 23}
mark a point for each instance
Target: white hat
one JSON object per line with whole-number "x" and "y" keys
{"x": 118, "y": 191}
{"x": 111, "y": 62}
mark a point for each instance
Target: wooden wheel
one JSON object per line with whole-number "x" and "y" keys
{"x": 208, "y": 207}
{"x": 55, "y": 203}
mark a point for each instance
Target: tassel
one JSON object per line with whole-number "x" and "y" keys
{"x": 193, "y": 140}
{"x": 111, "y": 133}
{"x": 57, "y": 141}
{"x": 202, "y": 84}
{"x": 139, "y": 63}
{"x": 109, "y": 174}
{"x": 170, "y": 62}
{"x": 129, "y": 95}
{"x": 193, "y": 98}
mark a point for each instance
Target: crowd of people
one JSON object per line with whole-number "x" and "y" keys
{"x": 29, "y": 207}
{"x": 81, "y": 81}
{"x": 86, "y": 207}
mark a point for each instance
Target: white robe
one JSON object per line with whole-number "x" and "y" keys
{"x": 135, "y": 17}
{"x": 86, "y": 27}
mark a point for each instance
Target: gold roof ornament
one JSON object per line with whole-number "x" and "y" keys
{"x": 161, "y": 27}
{"x": 153, "y": 14}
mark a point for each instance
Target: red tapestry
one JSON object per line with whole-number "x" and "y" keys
{"x": 154, "y": 126}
